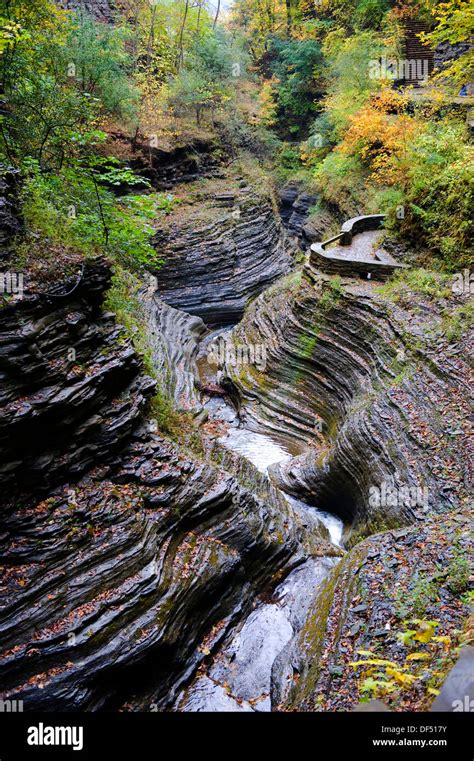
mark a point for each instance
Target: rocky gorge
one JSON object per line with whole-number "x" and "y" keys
{"x": 144, "y": 572}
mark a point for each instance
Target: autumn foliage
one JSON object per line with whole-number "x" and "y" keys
{"x": 379, "y": 134}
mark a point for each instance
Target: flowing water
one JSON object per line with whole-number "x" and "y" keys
{"x": 239, "y": 679}
{"x": 263, "y": 450}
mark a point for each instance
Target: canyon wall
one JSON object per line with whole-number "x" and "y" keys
{"x": 370, "y": 387}
{"x": 222, "y": 246}
{"x": 126, "y": 560}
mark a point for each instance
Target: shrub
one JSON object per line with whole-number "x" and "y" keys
{"x": 439, "y": 192}
{"x": 62, "y": 75}
{"x": 74, "y": 211}
{"x": 340, "y": 178}
{"x": 296, "y": 68}
{"x": 370, "y": 13}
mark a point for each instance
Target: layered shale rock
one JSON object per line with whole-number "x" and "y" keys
{"x": 165, "y": 162}
{"x": 112, "y": 586}
{"x": 174, "y": 339}
{"x": 295, "y": 205}
{"x": 397, "y": 598}
{"x": 221, "y": 247}
{"x": 124, "y": 561}
{"x": 381, "y": 399}
{"x": 101, "y": 10}
{"x": 72, "y": 389}
{"x": 446, "y": 52}
{"x": 195, "y": 158}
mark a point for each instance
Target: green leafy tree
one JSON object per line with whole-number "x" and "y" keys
{"x": 298, "y": 67}
{"x": 454, "y": 24}
{"x": 60, "y": 76}
{"x": 350, "y": 81}
{"x": 97, "y": 54}
{"x": 205, "y": 81}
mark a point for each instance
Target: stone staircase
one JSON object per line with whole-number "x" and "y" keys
{"x": 419, "y": 58}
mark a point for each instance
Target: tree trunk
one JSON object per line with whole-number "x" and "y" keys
{"x": 181, "y": 34}
{"x": 198, "y": 23}
{"x": 151, "y": 37}
{"x": 288, "y": 17}
{"x": 217, "y": 13}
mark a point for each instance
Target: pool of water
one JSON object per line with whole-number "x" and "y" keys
{"x": 263, "y": 450}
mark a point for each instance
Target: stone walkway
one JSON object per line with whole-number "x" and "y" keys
{"x": 364, "y": 248}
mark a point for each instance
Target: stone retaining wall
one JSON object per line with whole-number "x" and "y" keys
{"x": 334, "y": 264}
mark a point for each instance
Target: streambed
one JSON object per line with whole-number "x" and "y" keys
{"x": 239, "y": 679}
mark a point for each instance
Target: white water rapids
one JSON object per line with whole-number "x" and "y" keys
{"x": 240, "y": 676}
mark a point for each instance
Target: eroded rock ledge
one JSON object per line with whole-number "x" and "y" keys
{"x": 72, "y": 387}
{"x": 222, "y": 246}
{"x": 124, "y": 575}
{"x": 391, "y": 584}
{"x": 378, "y": 394}
{"x": 113, "y": 584}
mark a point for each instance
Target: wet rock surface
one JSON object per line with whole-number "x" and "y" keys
{"x": 242, "y": 670}
{"x": 72, "y": 387}
{"x": 113, "y": 583}
{"x": 362, "y": 382}
{"x": 137, "y": 558}
{"x": 174, "y": 338}
{"x": 457, "y": 692}
{"x": 221, "y": 247}
{"x": 301, "y": 219}
{"x": 295, "y": 205}
{"x": 396, "y": 601}
{"x": 167, "y": 166}
{"x": 240, "y": 676}
{"x": 141, "y": 576}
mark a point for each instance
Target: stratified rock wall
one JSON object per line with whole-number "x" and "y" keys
{"x": 112, "y": 584}
{"x": 379, "y": 396}
{"x": 220, "y": 251}
{"x": 445, "y": 53}
{"x": 124, "y": 561}
{"x": 101, "y": 10}
{"x": 72, "y": 387}
{"x": 174, "y": 337}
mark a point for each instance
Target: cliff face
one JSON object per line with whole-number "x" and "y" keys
{"x": 71, "y": 385}
{"x": 378, "y": 394}
{"x": 101, "y": 10}
{"x": 117, "y": 581}
{"x": 174, "y": 338}
{"x": 380, "y": 603}
{"x": 125, "y": 561}
{"x": 221, "y": 247}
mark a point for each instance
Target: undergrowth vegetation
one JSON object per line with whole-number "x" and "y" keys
{"x": 365, "y": 145}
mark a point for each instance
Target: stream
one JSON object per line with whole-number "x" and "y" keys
{"x": 239, "y": 678}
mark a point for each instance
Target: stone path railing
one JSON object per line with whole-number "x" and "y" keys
{"x": 379, "y": 265}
